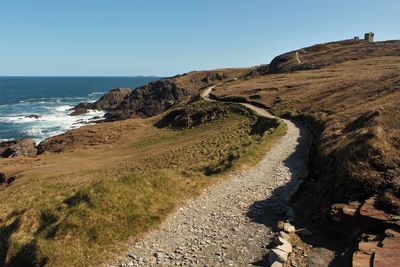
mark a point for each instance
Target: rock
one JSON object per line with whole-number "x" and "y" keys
{"x": 361, "y": 259}
{"x": 283, "y": 244}
{"x": 368, "y": 247}
{"x": 368, "y": 210}
{"x": 33, "y": 116}
{"x": 284, "y": 236}
{"x": 321, "y": 257}
{"x": 2, "y": 177}
{"x": 276, "y": 264}
{"x": 288, "y": 228}
{"x": 345, "y": 209}
{"x": 277, "y": 255}
{"x": 79, "y": 111}
{"x": 304, "y": 232}
{"x": 388, "y": 232}
{"x": 388, "y": 255}
{"x": 11, "y": 179}
{"x": 159, "y": 255}
{"x": 280, "y": 225}
{"x": 16, "y": 148}
{"x": 384, "y": 253}
{"x": 108, "y": 101}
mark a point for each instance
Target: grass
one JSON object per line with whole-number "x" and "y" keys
{"x": 80, "y": 208}
{"x": 337, "y": 100}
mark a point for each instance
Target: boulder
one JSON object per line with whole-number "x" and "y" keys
{"x": 16, "y": 148}
{"x": 33, "y": 116}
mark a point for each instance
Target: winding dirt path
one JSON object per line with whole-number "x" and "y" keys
{"x": 230, "y": 223}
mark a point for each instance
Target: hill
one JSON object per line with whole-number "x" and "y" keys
{"x": 348, "y": 93}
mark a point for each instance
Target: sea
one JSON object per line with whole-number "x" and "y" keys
{"x": 51, "y": 98}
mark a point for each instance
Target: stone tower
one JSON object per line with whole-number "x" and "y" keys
{"x": 369, "y": 36}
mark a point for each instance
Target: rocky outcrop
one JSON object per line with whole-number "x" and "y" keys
{"x": 364, "y": 215}
{"x": 375, "y": 250}
{"x": 149, "y": 100}
{"x": 16, "y": 148}
{"x": 158, "y": 96}
{"x": 199, "y": 113}
{"x": 33, "y": 116}
{"x": 108, "y": 101}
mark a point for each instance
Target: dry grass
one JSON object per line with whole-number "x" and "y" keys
{"x": 353, "y": 107}
{"x": 78, "y": 207}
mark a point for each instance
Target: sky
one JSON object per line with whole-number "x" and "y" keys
{"x": 168, "y": 37}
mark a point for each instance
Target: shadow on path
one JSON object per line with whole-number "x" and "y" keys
{"x": 272, "y": 209}
{"x": 269, "y": 210}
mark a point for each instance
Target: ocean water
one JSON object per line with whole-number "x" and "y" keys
{"x": 51, "y": 98}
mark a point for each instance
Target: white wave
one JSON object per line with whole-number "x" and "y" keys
{"x": 63, "y": 108}
{"x": 96, "y": 93}
{"x": 54, "y": 118}
{"x": 16, "y": 119}
{"x": 33, "y": 131}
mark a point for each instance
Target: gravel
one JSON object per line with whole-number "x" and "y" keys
{"x": 231, "y": 223}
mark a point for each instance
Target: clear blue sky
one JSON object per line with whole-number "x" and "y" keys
{"x": 166, "y": 37}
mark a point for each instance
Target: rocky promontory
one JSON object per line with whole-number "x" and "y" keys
{"x": 158, "y": 96}
{"x": 108, "y": 101}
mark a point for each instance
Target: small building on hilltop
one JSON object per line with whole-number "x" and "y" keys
{"x": 369, "y": 36}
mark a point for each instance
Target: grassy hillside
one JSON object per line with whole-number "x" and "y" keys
{"x": 111, "y": 182}
{"x": 349, "y": 93}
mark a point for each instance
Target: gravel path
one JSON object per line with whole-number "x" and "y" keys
{"x": 230, "y": 223}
